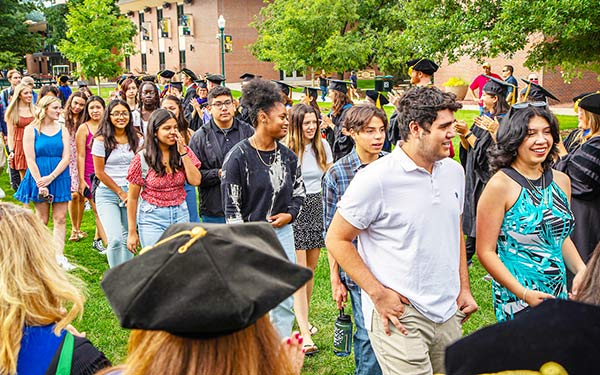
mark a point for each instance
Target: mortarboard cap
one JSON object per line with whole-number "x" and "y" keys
{"x": 189, "y": 73}
{"x": 312, "y": 92}
{"x": 591, "y": 103}
{"x": 148, "y": 78}
{"x": 248, "y": 77}
{"x": 378, "y": 98}
{"x": 215, "y": 78}
{"x": 201, "y": 84}
{"x": 537, "y": 92}
{"x": 204, "y": 281}
{"x": 561, "y": 331}
{"x": 423, "y": 65}
{"x": 338, "y": 85}
{"x": 284, "y": 87}
{"x": 168, "y": 74}
{"x": 177, "y": 85}
{"x": 496, "y": 86}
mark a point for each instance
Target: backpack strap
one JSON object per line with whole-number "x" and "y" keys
{"x": 66, "y": 355}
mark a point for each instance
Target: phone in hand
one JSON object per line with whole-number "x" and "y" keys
{"x": 87, "y": 192}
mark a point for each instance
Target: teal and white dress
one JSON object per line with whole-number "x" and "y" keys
{"x": 530, "y": 242}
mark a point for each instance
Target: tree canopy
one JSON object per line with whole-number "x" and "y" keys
{"x": 96, "y": 37}
{"x": 16, "y": 40}
{"x": 353, "y": 34}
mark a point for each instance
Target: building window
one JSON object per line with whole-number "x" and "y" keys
{"x": 159, "y": 15}
{"x": 179, "y": 13}
{"x": 161, "y": 61}
{"x": 182, "y": 59}
{"x": 141, "y": 19}
{"x": 144, "y": 63}
{"x": 128, "y": 63}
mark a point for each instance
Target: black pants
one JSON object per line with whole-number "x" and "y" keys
{"x": 470, "y": 245}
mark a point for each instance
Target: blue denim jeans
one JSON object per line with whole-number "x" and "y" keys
{"x": 364, "y": 356}
{"x": 113, "y": 216}
{"x": 324, "y": 90}
{"x": 282, "y": 316}
{"x": 192, "y": 203}
{"x": 152, "y": 220}
{"x": 214, "y": 219}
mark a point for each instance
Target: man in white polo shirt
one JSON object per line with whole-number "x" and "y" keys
{"x": 411, "y": 260}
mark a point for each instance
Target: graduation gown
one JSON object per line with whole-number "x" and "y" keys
{"x": 583, "y": 168}
{"x": 341, "y": 145}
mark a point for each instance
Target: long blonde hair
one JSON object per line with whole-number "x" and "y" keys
{"x": 12, "y": 111}
{"x": 251, "y": 351}
{"x": 593, "y": 120}
{"x": 41, "y": 108}
{"x": 296, "y": 135}
{"x": 34, "y": 290}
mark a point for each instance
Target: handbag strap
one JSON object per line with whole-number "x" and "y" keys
{"x": 66, "y": 355}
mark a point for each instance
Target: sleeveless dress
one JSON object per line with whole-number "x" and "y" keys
{"x": 530, "y": 242}
{"x": 48, "y": 153}
{"x": 73, "y": 164}
{"x": 18, "y": 162}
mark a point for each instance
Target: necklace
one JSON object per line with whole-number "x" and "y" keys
{"x": 538, "y": 190}
{"x": 260, "y": 157}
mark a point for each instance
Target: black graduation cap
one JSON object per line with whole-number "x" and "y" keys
{"x": 177, "y": 85}
{"x": 591, "y": 103}
{"x": 215, "y": 78}
{"x": 496, "y": 86}
{"x": 378, "y": 98}
{"x": 203, "y": 281}
{"x": 148, "y": 78}
{"x": 537, "y": 92}
{"x": 189, "y": 73}
{"x": 201, "y": 84}
{"x": 423, "y": 65}
{"x": 168, "y": 74}
{"x": 338, "y": 85}
{"x": 121, "y": 80}
{"x": 565, "y": 332}
{"x": 284, "y": 87}
{"x": 312, "y": 92}
{"x": 248, "y": 77}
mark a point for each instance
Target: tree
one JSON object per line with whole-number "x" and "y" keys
{"x": 353, "y": 34}
{"x": 57, "y": 24}
{"x": 96, "y": 37}
{"x": 16, "y": 40}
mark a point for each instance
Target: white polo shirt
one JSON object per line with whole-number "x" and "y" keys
{"x": 410, "y": 230}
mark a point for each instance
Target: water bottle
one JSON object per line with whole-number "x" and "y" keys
{"x": 342, "y": 335}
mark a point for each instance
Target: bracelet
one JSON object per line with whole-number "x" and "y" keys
{"x": 182, "y": 155}
{"x": 524, "y": 294}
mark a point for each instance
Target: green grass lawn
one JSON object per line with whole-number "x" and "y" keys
{"x": 103, "y": 330}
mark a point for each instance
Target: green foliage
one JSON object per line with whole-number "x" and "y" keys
{"x": 455, "y": 81}
{"x": 16, "y": 40}
{"x": 96, "y": 37}
{"x": 57, "y": 24}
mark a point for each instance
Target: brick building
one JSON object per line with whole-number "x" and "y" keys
{"x": 551, "y": 79}
{"x": 184, "y": 34}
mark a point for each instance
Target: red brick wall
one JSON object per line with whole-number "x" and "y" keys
{"x": 565, "y": 92}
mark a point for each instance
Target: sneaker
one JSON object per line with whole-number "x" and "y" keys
{"x": 2, "y": 194}
{"x": 64, "y": 263}
{"x": 99, "y": 246}
{"x": 87, "y": 206}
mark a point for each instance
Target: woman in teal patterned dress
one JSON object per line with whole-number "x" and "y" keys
{"x": 524, "y": 215}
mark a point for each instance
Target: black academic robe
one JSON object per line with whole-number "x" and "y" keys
{"x": 583, "y": 168}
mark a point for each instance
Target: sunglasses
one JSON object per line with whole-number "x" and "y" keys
{"x": 530, "y": 104}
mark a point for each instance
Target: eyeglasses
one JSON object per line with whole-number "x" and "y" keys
{"x": 226, "y": 103}
{"x": 533, "y": 78}
{"x": 530, "y": 104}
{"x": 120, "y": 114}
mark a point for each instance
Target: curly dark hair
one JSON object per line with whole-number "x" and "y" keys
{"x": 512, "y": 132}
{"x": 421, "y": 105}
{"x": 260, "y": 95}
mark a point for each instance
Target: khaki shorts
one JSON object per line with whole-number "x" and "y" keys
{"x": 421, "y": 352}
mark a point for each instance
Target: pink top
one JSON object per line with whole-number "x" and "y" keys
{"x": 89, "y": 161}
{"x": 479, "y": 82}
{"x": 162, "y": 191}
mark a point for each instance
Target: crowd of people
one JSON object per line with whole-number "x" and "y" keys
{"x": 277, "y": 182}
